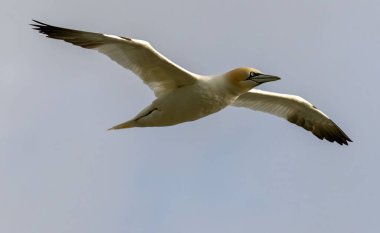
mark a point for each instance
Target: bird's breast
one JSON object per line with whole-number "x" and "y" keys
{"x": 192, "y": 102}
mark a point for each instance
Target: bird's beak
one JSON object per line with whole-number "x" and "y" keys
{"x": 263, "y": 78}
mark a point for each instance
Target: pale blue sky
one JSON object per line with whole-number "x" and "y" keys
{"x": 235, "y": 171}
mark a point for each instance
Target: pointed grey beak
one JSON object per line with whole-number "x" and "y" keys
{"x": 263, "y": 78}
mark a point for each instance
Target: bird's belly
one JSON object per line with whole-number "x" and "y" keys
{"x": 188, "y": 104}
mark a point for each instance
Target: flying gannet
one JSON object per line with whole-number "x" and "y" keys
{"x": 184, "y": 96}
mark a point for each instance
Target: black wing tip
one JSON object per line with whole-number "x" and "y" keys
{"x": 40, "y": 26}
{"x": 39, "y": 22}
{"x": 342, "y": 137}
{"x": 341, "y": 141}
{"x": 330, "y": 132}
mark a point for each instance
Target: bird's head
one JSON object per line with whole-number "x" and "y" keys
{"x": 244, "y": 79}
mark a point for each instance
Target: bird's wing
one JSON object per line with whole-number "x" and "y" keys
{"x": 296, "y": 110}
{"x": 158, "y": 72}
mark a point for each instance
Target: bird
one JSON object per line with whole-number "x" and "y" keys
{"x": 183, "y": 96}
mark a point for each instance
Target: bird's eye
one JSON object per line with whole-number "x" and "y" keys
{"x": 252, "y": 74}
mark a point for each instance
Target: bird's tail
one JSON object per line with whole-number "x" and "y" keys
{"x": 125, "y": 125}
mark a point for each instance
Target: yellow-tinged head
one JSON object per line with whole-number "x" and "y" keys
{"x": 245, "y": 78}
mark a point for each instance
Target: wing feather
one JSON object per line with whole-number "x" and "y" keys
{"x": 296, "y": 110}
{"x": 157, "y": 71}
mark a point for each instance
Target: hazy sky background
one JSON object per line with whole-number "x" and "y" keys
{"x": 235, "y": 171}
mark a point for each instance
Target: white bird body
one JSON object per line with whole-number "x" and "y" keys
{"x": 188, "y": 103}
{"x": 184, "y": 96}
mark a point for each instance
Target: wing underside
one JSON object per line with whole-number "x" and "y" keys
{"x": 157, "y": 71}
{"x": 296, "y": 110}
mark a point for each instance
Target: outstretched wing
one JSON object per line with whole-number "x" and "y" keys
{"x": 158, "y": 72}
{"x": 296, "y": 110}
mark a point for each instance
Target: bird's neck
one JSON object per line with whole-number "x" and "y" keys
{"x": 224, "y": 85}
